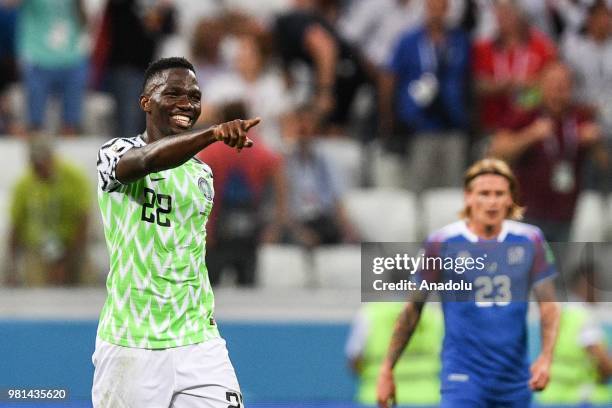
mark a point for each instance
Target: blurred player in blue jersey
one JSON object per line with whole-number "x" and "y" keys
{"x": 484, "y": 354}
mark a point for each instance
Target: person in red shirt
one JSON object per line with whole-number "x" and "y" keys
{"x": 236, "y": 224}
{"x": 506, "y": 68}
{"x": 547, "y": 148}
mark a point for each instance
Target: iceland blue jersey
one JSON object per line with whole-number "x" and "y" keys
{"x": 485, "y": 342}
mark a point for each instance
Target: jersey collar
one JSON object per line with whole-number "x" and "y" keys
{"x": 501, "y": 237}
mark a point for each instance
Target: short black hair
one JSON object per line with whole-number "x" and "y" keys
{"x": 163, "y": 64}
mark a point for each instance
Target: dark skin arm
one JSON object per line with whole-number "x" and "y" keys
{"x": 172, "y": 151}
{"x": 82, "y": 13}
{"x": 550, "y": 313}
{"x": 72, "y": 259}
{"x": 510, "y": 145}
{"x": 324, "y": 51}
{"x": 386, "y": 85}
{"x": 356, "y": 365}
{"x": 281, "y": 211}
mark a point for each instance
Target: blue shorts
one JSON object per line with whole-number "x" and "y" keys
{"x": 456, "y": 399}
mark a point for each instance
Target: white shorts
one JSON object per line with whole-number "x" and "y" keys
{"x": 198, "y": 375}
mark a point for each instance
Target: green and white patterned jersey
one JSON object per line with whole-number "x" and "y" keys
{"x": 159, "y": 295}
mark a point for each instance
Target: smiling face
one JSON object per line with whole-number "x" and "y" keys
{"x": 489, "y": 201}
{"x": 172, "y": 102}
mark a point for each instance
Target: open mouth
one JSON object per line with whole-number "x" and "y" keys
{"x": 181, "y": 121}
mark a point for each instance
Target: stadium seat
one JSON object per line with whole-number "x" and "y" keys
{"x": 97, "y": 111}
{"x": 382, "y": 214}
{"x": 386, "y": 168}
{"x": 98, "y": 116}
{"x": 82, "y": 152}
{"x": 589, "y": 219}
{"x": 345, "y": 155}
{"x": 440, "y": 207}
{"x": 282, "y": 266}
{"x": 338, "y": 266}
{"x": 100, "y": 262}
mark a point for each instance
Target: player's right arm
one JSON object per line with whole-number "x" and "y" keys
{"x": 172, "y": 151}
{"x": 404, "y": 328}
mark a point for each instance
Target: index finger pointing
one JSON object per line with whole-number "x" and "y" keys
{"x": 248, "y": 124}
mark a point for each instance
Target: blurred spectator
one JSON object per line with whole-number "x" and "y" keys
{"x": 253, "y": 81}
{"x": 506, "y": 67}
{"x": 590, "y": 56}
{"x": 209, "y": 63}
{"x": 132, "y": 31}
{"x": 547, "y": 148}
{"x": 8, "y": 67}
{"x": 549, "y": 16}
{"x": 375, "y": 25}
{"x": 237, "y": 224}
{"x": 49, "y": 217}
{"x": 582, "y": 365}
{"x": 427, "y": 80}
{"x": 51, "y": 47}
{"x": 315, "y": 200}
{"x": 307, "y": 36}
{"x": 572, "y": 14}
{"x": 555, "y": 18}
{"x": 417, "y": 371}
{"x": 263, "y": 10}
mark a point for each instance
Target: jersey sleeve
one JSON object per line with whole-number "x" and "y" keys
{"x": 543, "y": 266}
{"x": 109, "y": 155}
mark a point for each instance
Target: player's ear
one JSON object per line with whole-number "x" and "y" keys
{"x": 145, "y": 103}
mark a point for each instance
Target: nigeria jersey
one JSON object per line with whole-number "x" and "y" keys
{"x": 159, "y": 295}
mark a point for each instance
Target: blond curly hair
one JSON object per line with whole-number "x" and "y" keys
{"x": 500, "y": 168}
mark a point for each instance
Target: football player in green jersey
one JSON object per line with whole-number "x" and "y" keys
{"x": 158, "y": 344}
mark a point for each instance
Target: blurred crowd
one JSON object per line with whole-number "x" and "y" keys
{"x": 431, "y": 84}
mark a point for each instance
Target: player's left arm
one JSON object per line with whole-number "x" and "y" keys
{"x": 549, "y": 321}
